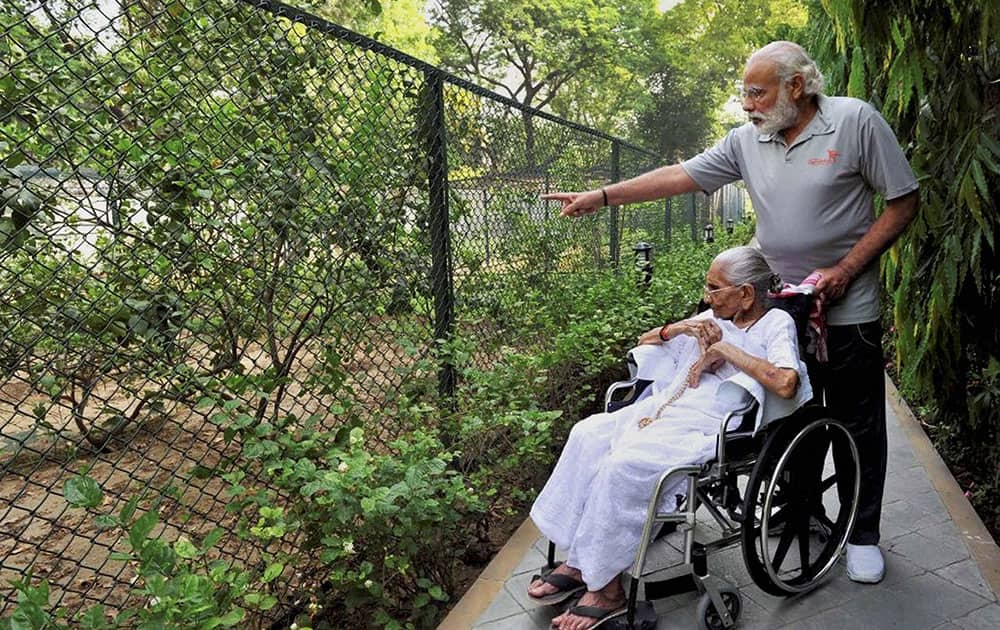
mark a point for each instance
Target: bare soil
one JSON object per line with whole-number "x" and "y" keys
{"x": 153, "y": 458}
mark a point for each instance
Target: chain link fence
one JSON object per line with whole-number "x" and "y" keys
{"x": 225, "y": 202}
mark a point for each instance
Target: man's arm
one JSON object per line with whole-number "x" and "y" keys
{"x": 898, "y": 214}
{"x": 666, "y": 181}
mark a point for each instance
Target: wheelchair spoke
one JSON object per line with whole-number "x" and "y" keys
{"x": 779, "y": 517}
{"x": 787, "y": 535}
{"x": 804, "y": 545}
{"x": 827, "y": 483}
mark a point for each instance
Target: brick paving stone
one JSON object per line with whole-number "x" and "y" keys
{"x": 522, "y": 621}
{"x": 967, "y": 575}
{"x": 543, "y": 615}
{"x": 753, "y": 617}
{"x": 503, "y": 606}
{"x": 931, "y": 595}
{"x": 906, "y": 482}
{"x": 530, "y": 563}
{"x": 909, "y": 516}
{"x": 929, "y": 553}
{"x": 985, "y": 618}
{"x": 517, "y": 587}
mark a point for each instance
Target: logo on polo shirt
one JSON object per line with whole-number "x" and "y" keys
{"x": 831, "y": 158}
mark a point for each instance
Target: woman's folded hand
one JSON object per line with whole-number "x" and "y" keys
{"x": 705, "y": 331}
{"x": 710, "y": 361}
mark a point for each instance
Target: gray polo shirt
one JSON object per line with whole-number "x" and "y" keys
{"x": 815, "y": 199}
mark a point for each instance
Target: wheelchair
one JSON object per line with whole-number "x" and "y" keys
{"x": 786, "y": 493}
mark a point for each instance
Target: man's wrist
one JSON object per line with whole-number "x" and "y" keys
{"x": 847, "y": 268}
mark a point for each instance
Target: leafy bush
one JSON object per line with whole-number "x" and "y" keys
{"x": 178, "y": 585}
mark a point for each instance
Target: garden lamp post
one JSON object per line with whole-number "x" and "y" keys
{"x": 709, "y": 233}
{"x": 729, "y": 225}
{"x": 644, "y": 261}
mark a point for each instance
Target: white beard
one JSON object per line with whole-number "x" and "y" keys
{"x": 783, "y": 115}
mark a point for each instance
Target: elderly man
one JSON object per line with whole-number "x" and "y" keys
{"x": 812, "y": 165}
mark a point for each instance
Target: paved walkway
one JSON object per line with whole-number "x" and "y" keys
{"x": 943, "y": 568}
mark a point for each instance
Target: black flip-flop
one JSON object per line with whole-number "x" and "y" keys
{"x": 568, "y": 586}
{"x": 595, "y": 612}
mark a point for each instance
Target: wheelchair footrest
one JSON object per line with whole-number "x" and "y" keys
{"x": 645, "y": 619}
{"x": 667, "y": 588}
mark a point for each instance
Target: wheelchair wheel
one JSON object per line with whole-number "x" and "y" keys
{"x": 709, "y": 617}
{"x": 800, "y": 503}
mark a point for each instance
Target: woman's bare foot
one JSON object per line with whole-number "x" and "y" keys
{"x": 611, "y": 597}
{"x": 538, "y": 588}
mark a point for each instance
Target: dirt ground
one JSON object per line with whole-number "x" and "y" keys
{"x": 41, "y": 533}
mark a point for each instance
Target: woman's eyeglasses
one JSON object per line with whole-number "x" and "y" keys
{"x": 707, "y": 293}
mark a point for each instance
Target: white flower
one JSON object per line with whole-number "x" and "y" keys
{"x": 294, "y": 626}
{"x": 348, "y": 547}
{"x": 356, "y": 436}
{"x": 368, "y": 583}
{"x": 343, "y": 467}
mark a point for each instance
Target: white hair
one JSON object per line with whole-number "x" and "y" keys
{"x": 790, "y": 59}
{"x": 747, "y": 265}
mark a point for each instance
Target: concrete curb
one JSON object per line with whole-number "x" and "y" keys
{"x": 977, "y": 538}
{"x": 490, "y": 582}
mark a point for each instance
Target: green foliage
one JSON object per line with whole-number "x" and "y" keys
{"x": 932, "y": 68}
{"x": 82, "y": 492}
{"x": 557, "y": 51}
{"x": 398, "y": 23}
{"x": 701, "y": 48}
{"x": 178, "y": 584}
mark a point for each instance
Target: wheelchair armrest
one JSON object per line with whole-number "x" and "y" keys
{"x": 737, "y": 436}
{"x": 747, "y": 413}
{"x": 623, "y": 393}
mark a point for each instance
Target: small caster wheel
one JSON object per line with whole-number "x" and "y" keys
{"x": 710, "y": 619}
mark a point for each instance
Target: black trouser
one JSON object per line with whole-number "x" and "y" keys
{"x": 852, "y": 385}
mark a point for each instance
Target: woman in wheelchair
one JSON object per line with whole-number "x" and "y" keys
{"x": 594, "y": 504}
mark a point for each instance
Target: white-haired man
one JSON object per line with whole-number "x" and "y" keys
{"x": 812, "y": 165}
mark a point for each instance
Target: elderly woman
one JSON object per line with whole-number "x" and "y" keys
{"x": 595, "y": 502}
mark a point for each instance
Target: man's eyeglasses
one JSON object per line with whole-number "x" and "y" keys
{"x": 753, "y": 93}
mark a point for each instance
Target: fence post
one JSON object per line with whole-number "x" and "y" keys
{"x": 693, "y": 217}
{"x": 435, "y": 144}
{"x": 616, "y": 175}
{"x": 666, "y": 222}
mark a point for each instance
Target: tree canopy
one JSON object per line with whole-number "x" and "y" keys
{"x": 624, "y": 66}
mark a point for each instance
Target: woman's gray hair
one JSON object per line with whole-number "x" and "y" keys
{"x": 790, "y": 59}
{"x": 746, "y": 265}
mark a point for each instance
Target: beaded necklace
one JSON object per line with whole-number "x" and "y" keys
{"x": 648, "y": 420}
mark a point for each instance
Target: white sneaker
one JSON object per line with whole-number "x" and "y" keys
{"x": 865, "y": 563}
